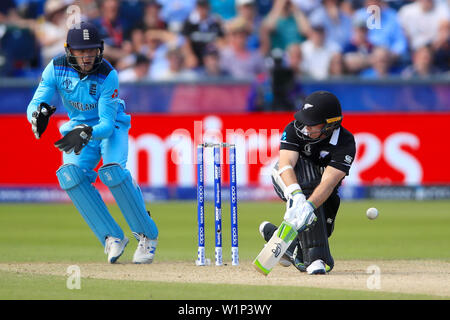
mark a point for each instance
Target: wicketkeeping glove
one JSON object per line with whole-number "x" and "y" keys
{"x": 75, "y": 140}
{"x": 40, "y": 117}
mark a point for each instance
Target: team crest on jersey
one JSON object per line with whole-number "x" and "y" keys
{"x": 67, "y": 85}
{"x": 93, "y": 89}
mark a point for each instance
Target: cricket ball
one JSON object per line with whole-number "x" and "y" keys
{"x": 372, "y": 213}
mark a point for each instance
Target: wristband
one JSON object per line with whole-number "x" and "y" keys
{"x": 284, "y": 169}
{"x": 312, "y": 204}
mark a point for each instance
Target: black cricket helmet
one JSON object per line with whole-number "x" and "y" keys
{"x": 319, "y": 107}
{"x": 80, "y": 36}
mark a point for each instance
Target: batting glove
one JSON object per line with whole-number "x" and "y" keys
{"x": 304, "y": 216}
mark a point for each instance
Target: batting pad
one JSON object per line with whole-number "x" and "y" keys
{"x": 129, "y": 198}
{"x": 88, "y": 201}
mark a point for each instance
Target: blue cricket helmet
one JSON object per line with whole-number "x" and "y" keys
{"x": 81, "y": 36}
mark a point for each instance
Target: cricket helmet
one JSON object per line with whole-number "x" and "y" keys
{"x": 83, "y": 36}
{"x": 319, "y": 107}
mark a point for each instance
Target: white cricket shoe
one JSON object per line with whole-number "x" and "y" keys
{"x": 114, "y": 248}
{"x": 317, "y": 267}
{"x": 145, "y": 251}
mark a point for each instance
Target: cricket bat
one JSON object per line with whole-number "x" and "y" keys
{"x": 275, "y": 248}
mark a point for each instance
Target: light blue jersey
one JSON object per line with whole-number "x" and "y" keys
{"x": 93, "y": 100}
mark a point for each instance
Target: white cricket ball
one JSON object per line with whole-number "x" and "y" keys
{"x": 372, "y": 213}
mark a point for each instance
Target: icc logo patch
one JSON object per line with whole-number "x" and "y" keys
{"x": 67, "y": 85}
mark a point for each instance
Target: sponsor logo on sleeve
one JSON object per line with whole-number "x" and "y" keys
{"x": 348, "y": 159}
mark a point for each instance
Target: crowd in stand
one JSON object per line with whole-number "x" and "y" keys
{"x": 239, "y": 39}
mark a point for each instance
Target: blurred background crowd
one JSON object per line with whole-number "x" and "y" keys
{"x": 189, "y": 40}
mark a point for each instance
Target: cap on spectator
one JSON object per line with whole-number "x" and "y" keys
{"x": 244, "y": 2}
{"x": 203, "y": 3}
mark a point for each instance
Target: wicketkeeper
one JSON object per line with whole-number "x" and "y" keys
{"x": 316, "y": 153}
{"x": 98, "y": 129}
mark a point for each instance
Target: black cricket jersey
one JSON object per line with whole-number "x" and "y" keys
{"x": 338, "y": 150}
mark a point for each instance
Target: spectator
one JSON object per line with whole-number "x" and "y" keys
{"x": 380, "y": 64}
{"x": 19, "y": 47}
{"x": 16, "y": 13}
{"x": 285, "y": 89}
{"x": 158, "y": 42}
{"x": 175, "y": 68}
{"x": 425, "y": 22}
{"x": 337, "y": 66}
{"x": 357, "y": 52}
{"x": 317, "y": 53}
{"x": 294, "y": 59}
{"x": 136, "y": 44}
{"x": 135, "y": 39}
{"x": 8, "y": 11}
{"x": 389, "y": 34}
{"x": 137, "y": 72}
{"x": 246, "y": 11}
{"x": 111, "y": 30}
{"x": 212, "y": 67}
{"x": 240, "y": 62}
{"x": 422, "y": 66}
{"x": 175, "y": 12}
{"x": 284, "y": 25}
{"x": 152, "y": 16}
{"x": 199, "y": 30}
{"x": 337, "y": 24}
{"x": 52, "y": 33}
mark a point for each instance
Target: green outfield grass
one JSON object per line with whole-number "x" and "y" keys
{"x": 57, "y": 233}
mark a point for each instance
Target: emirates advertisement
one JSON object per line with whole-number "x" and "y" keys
{"x": 393, "y": 150}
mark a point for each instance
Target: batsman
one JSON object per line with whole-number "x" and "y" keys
{"x": 316, "y": 153}
{"x": 98, "y": 129}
